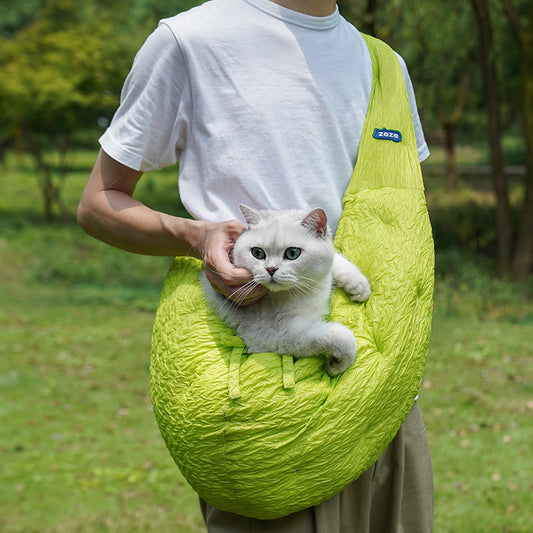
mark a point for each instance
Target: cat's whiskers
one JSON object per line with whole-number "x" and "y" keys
{"x": 240, "y": 294}
{"x": 307, "y": 286}
{"x": 236, "y": 298}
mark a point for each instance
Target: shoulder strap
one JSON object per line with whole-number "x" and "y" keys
{"x": 388, "y": 155}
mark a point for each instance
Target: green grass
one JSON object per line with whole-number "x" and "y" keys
{"x": 477, "y": 400}
{"x": 80, "y": 448}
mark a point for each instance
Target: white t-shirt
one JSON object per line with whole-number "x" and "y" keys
{"x": 259, "y": 104}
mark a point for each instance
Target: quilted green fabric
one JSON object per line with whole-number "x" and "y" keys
{"x": 262, "y": 435}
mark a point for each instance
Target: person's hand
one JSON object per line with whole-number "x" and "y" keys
{"x": 233, "y": 283}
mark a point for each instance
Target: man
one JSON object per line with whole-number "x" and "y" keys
{"x": 261, "y": 102}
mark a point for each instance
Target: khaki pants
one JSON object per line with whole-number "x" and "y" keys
{"x": 394, "y": 496}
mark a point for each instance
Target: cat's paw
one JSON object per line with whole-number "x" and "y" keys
{"x": 358, "y": 288}
{"x": 350, "y": 278}
{"x": 341, "y": 349}
{"x": 335, "y": 365}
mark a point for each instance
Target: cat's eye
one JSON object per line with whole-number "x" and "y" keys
{"x": 258, "y": 253}
{"x": 292, "y": 253}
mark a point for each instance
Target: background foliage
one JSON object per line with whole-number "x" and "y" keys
{"x": 62, "y": 65}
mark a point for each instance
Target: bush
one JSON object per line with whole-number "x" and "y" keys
{"x": 467, "y": 286}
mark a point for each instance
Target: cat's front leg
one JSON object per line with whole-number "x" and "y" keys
{"x": 347, "y": 276}
{"x": 304, "y": 338}
{"x": 340, "y": 348}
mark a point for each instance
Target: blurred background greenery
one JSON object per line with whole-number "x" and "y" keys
{"x": 79, "y": 448}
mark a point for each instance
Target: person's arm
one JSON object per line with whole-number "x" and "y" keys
{"x": 108, "y": 212}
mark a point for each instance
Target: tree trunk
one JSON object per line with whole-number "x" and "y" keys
{"x": 490, "y": 82}
{"x": 523, "y": 255}
{"x": 44, "y": 177}
{"x": 50, "y": 191}
{"x": 450, "y": 123}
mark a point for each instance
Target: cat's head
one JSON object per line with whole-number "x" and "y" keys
{"x": 286, "y": 249}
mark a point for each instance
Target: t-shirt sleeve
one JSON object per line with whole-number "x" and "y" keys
{"x": 423, "y": 150}
{"x": 149, "y": 128}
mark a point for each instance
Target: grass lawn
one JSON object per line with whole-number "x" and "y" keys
{"x": 80, "y": 448}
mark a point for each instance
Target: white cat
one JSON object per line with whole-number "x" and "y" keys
{"x": 291, "y": 253}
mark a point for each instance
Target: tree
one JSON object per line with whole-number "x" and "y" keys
{"x": 522, "y": 30}
{"x": 59, "y": 74}
{"x": 492, "y": 99}
{"x": 62, "y": 65}
{"x": 442, "y": 68}
{"x": 515, "y": 246}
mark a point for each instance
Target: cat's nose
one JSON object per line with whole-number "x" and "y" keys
{"x": 271, "y": 270}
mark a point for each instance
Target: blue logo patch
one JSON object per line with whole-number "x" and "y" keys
{"x": 384, "y": 134}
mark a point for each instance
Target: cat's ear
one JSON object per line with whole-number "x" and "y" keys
{"x": 317, "y": 221}
{"x": 250, "y": 215}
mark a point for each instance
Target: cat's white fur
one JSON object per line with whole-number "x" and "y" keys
{"x": 290, "y": 317}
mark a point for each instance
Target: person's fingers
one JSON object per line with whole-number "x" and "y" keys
{"x": 218, "y": 262}
{"x": 218, "y": 241}
{"x": 233, "y": 283}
